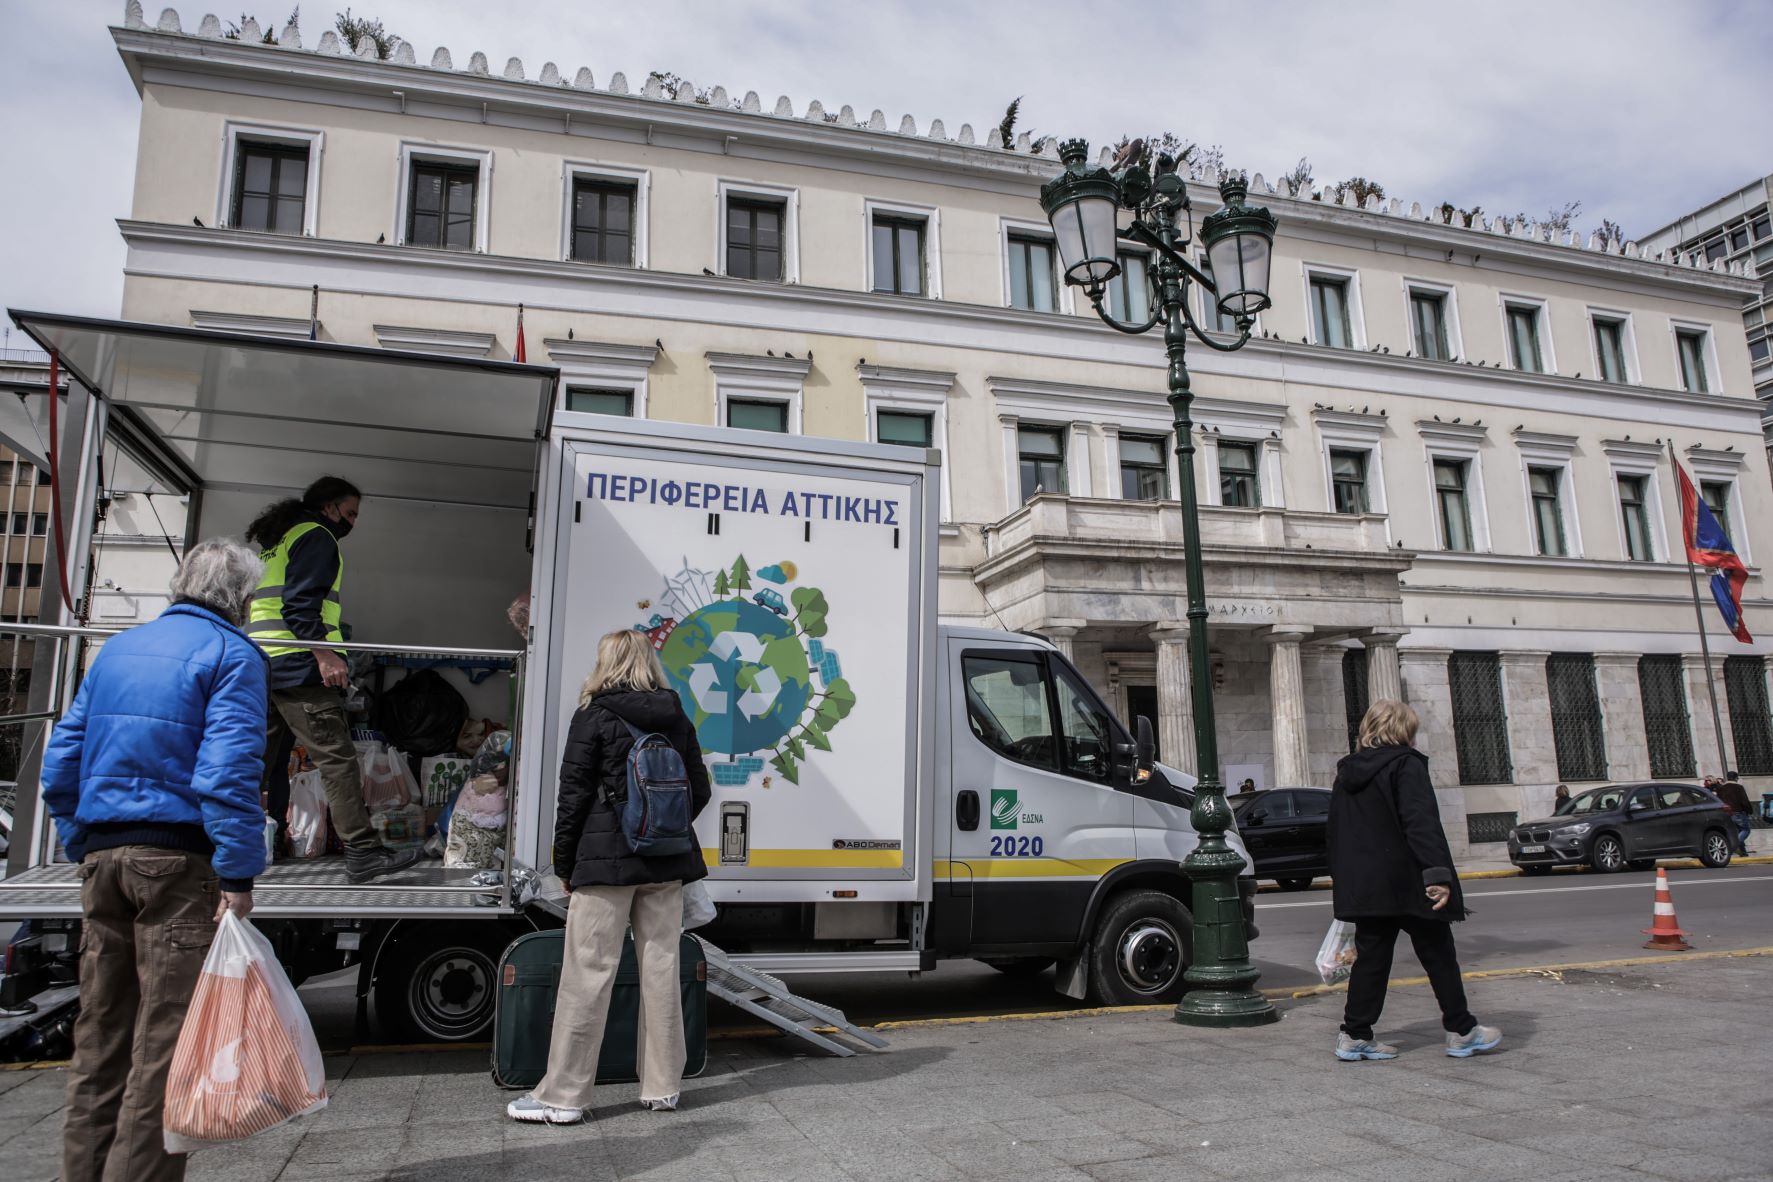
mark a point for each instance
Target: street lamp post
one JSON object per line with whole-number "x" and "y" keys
{"x": 1083, "y": 206}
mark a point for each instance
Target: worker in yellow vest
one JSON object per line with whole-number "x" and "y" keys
{"x": 299, "y": 599}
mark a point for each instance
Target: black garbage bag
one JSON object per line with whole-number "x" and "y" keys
{"x": 422, "y": 714}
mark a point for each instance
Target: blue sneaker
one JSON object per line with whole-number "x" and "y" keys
{"x": 1353, "y": 1050}
{"x": 1481, "y": 1038}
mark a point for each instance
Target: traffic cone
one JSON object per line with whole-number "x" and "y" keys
{"x": 1665, "y": 932}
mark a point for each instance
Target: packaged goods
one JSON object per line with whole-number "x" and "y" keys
{"x": 307, "y": 815}
{"x": 1335, "y": 956}
{"x": 440, "y": 777}
{"x": 402, "y": 827}
{"x": 387, "y": 783}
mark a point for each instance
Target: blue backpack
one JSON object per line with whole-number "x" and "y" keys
{"x": 657, "y": 811}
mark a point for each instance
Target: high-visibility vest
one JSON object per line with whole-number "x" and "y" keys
{"x": 266, "y": 623}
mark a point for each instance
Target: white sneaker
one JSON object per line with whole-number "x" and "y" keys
{"x": 668, "y": 1104}
{"x": 1481, "y": 1038}
{"x": 527, "y": 1108}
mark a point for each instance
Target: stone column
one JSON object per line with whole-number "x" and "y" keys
{"x": 1175, "y": 701}
{"x": 1526, "y": 699}
{"x": 1705, "y": 736}
{"x": 1383, "y": 679}
{"x": 1062, "y": 633}
{"x": 1622, "y": 715}
{"x": 1108, "y": 482}
{"x": 1078, "y": 482}
{"x": 1423, "y": 672}
{"x": 1012, "y": 463}
{"x": 1286, "y": 701}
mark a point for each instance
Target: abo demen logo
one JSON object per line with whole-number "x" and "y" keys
{"x": 1006, "y": 805}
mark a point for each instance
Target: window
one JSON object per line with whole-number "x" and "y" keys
{"x": 1690, "y": 344}
{"x": 1523, "y": 338}
{"x": 1714, "y": 250}
{"x": 15, "y": 574}
{"x": 1042, "y": 454}
{"x": 1636, "y": 518}
{"x": 1210, "y": 315}
{"x": 898, "y": 254}
{"x": 39, "y": 524}
{"x": 1144, "y": 468}
{"x": 1354, "y": 691}
{"x": 1716, "y": 495}
{"x": 1032, "y": 285}
{"x": 1609, "y": 349}
{"x": 1666, "y": 729}
{"x": 1480, "y": 725}
{"x": 754, "y": 238}
{"x": 1311, "y": 804}
{"x": 603, "y": 221}
{"x": 1453, "y": 503}
{"x": 1238, "y": 483}
{"x": 1428, "y": 320}
{"x": 1576, "y": 725}
{"x": 757, "y": 415}
{"x": 1751, "y": 723}
{"x": 270, "y": 187}
{"x": 20, "y": 522}
{"x": 1545, "y": 486}
{"x": 440, "y": 207}
{"x": 1329, "y": 312}
{"x": 1007, "y": 707}
{"x": 1739, "y": 239}
{"x": 1273, "y": 806}
{"x": 33, "y": 574}
{"x": 1763, "y": 228}
{"x": 1348, "y": 481}
{"x": 1129, "y": 293}
{"x": 1086, "y": 737}
{"x": 1759, "y": 351}
{"x": 600, "y": 402}
{"x": 904, "y": 427}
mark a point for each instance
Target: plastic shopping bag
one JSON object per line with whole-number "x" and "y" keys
{"x": 307, "y": 815}
{"x": 1335, "y": 956}
{"x": 387, "y": 784}
{"x": 246, "y": 1059}
{"x": 698, "y": 905}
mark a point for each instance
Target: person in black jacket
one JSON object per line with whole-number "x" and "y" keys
{"x": 1393, "y": 872}
{"x": 614, "y": 888}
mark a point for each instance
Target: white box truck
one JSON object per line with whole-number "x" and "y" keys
{"x": 889, "y": 791}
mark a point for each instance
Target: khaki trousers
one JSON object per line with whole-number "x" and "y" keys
{"x": 595, "y": 921}
{"x": 149, "y": 921}
{"x": 315, "y": 714}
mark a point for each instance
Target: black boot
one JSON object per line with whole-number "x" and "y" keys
{"x": 363, "y": 865}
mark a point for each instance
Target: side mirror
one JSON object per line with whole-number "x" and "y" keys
{"x": 1144, "y": 750}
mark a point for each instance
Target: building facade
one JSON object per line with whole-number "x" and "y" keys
{"x": 1442, "y": 469}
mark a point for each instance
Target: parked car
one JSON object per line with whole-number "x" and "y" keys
{"x": 1284, "y": 830}
{"x": 1626, "y": 826}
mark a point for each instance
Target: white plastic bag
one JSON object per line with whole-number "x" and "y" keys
{"x": 246, "y": 1059}
{"x": 387, "y": 782}
{"x": 307, "y": 815}
{"x": 1335, "y": 956}
{"x": 698, "y": 905}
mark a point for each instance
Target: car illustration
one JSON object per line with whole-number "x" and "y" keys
{"x": 772, "y": 600}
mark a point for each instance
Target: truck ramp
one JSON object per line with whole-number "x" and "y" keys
{"x": 766, "y": 997}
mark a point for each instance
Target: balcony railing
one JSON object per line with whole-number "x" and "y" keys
{"x": 1051, "y": 517}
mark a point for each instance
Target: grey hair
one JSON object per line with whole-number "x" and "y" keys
{"x": 221, "y": 574}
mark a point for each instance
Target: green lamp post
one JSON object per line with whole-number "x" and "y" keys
{"x": 1083, "y": 205}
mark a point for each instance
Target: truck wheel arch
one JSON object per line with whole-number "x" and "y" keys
{"x": 1149, "y": 874}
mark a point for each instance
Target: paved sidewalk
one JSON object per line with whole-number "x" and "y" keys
{"x": 1654, "y": 1072}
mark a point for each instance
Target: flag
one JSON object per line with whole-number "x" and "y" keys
{"x": 517, "y": 354}
{"x": 1709, "y": 546}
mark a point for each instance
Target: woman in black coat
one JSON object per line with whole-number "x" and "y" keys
{"x": 614, "y": 888}
{"x": 1393, "y": 872}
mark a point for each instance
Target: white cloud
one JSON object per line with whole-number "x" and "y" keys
{"x": 1640, "y": 109}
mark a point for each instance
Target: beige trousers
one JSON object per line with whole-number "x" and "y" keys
{"x": 595, "y": 921}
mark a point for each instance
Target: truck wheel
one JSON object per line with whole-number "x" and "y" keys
{"x": 1142, "y": 943}
{"x": 438, "y": 983}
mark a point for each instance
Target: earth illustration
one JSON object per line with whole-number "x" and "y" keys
{"x": 742, "y": 674}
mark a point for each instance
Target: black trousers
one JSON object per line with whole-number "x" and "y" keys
{"x": 1374, "y": 941}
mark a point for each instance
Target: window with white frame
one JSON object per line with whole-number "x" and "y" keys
{"x": 1551, "y": 512}
{"x": 1348, "y": 480}
{"x": 1612, "y": 346}
{"x": 1129, "y": 293}
{"x": 1716, "y": 495}
{"x": 1634, "y": 512}
{"x": 1691, "y": 349}
{"x": 1452, "y": 502}
{"x": 909, "y": 407}
{"x": 1456, "y": 484}
{"x": 1031, "y": 271}
{"x": 1545, "y": 491}
{"x": 1431, "y": 314}
{"x": 903, "y": 250}
{"x": 1334, "y": 314}
{"x": 759, "y": 393}
{"x": 758, "y": 233}
{"x": 1240, "y": 476}
{"x": 1637, "y": 496}
{"x": 1525, "y": 322}
{"x": 270, "y": 179}
{"x": 1718, "y": 474}
{"x": 1350, "y": 449}
{"x": 1040, "y": 456}
{"x": 602, "y": 377}
{"x": 1210, "y": 315}
{"x": 605, "y": 217}
{"x": 597, "y": 400}
{"x": 1144, "y": 467}
{"x": 443, "y": 197}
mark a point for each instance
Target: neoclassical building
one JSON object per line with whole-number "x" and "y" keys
{"x": 1442, "y": 469}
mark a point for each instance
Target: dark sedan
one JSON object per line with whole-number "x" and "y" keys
{"x": 1626, "y": 825}
{"x": 1284, "y": 830}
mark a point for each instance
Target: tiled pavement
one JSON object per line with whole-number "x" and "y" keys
{"x": 1659, "y": 1072}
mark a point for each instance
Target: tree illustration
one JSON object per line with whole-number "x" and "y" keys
{"x": 810, "y": 610}
{"x": 741, "y": 578}
{"x": 721, "y": 587}
{"x": 835, "y": 704}
{"x": 788, "y": 766}
{"x": 815, "y": 736}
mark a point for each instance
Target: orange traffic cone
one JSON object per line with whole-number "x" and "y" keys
{"x": 1665, "y": 932}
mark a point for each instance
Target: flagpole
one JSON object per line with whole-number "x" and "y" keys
{"x": 1711, "y": 685}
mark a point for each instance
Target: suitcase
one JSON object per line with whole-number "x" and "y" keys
{"x": 529, "y": 979}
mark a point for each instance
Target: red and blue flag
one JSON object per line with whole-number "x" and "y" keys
{"x": 1709, "y": 546}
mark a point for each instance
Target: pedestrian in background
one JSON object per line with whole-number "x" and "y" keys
{"x": 1560, "y": 799}
{"x": 153, "y": 780}
{"x": 614, "y": 888}
{"x": 1735, "y": 798}
{"x": 1393, "y": 872}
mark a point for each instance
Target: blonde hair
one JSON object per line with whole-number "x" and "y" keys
{"x": 1389, "y": 723}
{"x": 625, "y": 660}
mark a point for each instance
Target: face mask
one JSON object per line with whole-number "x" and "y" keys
{"x": 339, "y": 528}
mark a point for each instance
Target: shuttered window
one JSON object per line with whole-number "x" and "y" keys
{"x": 1480, "y": 725}
{"x": 1751, "y": 725}
{"x": 1666, "y": 727}
{"x": 1576, "y": 727}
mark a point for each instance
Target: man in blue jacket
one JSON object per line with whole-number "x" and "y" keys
{"x": 153, "y": 780}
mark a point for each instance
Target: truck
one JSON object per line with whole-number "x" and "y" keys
{"x": 889, "y": 790}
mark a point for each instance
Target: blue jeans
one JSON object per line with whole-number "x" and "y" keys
{"x": 1744, "y": 823}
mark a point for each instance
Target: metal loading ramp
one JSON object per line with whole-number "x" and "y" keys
{"x": 766, "y": 997}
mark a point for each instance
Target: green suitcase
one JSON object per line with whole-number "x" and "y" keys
{"x": 529, "y": 979}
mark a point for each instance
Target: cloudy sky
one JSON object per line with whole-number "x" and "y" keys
{"x": 1639, "y": 109}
